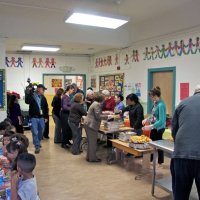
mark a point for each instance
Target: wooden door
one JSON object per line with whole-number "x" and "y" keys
{"x": 165, "y": 81}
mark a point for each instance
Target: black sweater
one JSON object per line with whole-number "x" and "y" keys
{"x": 56, "y": 104}
{"x": 136, "y": 115}
{"x": 34, "y": 110}
{"x": 76, "y": 113}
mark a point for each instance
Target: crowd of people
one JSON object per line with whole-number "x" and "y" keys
{"x": 71, "y": 105}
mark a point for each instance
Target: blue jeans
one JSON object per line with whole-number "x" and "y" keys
{"x": 37, "y": 129}
{"x": 184, "y": 172}
{"x": 76, "y": 137}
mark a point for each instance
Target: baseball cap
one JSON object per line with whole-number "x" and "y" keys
{"x": 41, "y": 86}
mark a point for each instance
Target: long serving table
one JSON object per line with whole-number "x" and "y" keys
{"x": 166, "y": 183}
{"x": 123, "y": 147}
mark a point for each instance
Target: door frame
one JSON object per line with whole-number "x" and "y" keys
{"x": 83, "y": 75}
{"x": 150, "y": 85}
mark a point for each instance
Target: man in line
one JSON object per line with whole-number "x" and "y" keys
{"x": 185, "y": 163}
{"x": 38, "y": 112}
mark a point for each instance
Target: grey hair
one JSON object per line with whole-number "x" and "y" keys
{"x": 106, "y": 93}
{"x": 197, "y": 88}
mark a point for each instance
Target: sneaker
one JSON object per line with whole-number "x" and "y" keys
{"x": 37, "y": 150}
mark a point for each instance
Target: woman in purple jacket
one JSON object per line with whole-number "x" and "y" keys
{"x": 65, "y": 109}
{"x": 15, "y": 115}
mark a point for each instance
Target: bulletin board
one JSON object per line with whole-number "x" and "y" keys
{"x": 2, "y": 90}
{"x": 112, "y": 82}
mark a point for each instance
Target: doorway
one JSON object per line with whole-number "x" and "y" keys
{"x": 165, "y": 78}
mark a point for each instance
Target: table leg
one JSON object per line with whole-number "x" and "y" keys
{"x": 145, "y": 166}
{"x": 154, "y": 171}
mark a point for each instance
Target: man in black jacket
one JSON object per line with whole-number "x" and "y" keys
{"x": 38, "y": 112}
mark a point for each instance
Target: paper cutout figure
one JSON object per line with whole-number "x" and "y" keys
{"x": 13, "y": 62}
{"x": 47, "y": 63}
{"x": 19, "y": 62}
{"x": 53, "y": 62}
{"x": 116, "y": 59}
{"x": 170, "y": 50}
{"x": 7, "y": 61}
{"x": 34, "y": 63}
{"x": 40, "y": 63}
{"x": 126, "y": 59}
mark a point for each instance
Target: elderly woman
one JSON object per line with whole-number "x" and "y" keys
{"x": 158, "y": 121}
{"x": 109, "y": 103}
{"x": 76, "y": 113}
{"x": 89, "y": 98}
{"x": 92, "y": 124}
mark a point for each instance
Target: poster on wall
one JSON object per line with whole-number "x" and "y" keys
{"x": 112, "y": 82}
{"x": 93, "y": 81}
{"x": 56, "y": 83}
{"x": 2, "y": 90}
{"x": 138, "y": 89}
{"x": 184, "y": 90}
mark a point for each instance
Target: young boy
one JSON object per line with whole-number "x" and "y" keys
{"x": 23, "y": 182}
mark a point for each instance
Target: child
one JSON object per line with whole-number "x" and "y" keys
{"x": 6, "y": 141}
{"x": 23, "y": 182}
{"x": 20, "y": 137}
{"x": 3, "y": 127}
{"x": 15, "y": 148}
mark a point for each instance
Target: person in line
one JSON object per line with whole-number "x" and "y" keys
{"x": 65, "y": 109}
{"x": 136, "y": 112}
{"x": 158, "y": 126}
{"x": 89, "y": 98}
{"x": 14, "y": 113}
{"x": 56, "y": 104}
{"x": 38, "y": 112}
{"x": 92, "y": 124}
{"x": 76, "y": 90}
{"x": 23, "y": 182}
{"x": 109, "y": 102}
{"x": 119, "y": 103}
{"x": 185, "y": 162}
{"x": 76, "y": 113}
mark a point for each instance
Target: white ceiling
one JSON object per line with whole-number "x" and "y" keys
{"x": 42, "y": 22}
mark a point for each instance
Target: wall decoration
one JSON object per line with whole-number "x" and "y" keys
{"x": 138, "y": 89}
{"x": 40, "y": 63}
{"x": 49, "y": 63}
{"x": 93, "y": 81}
{"x": 114, "y": 83}
{"x": 57, "y": 83}
{"x": 175, "y": 49}
{"x": 14, "y": 62}
{"x": 184, "y": 90}
{"x": 66, "y": 69}
{"x": 2, "y": 90}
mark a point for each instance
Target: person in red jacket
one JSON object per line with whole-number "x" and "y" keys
{"x": 109, "y": 103}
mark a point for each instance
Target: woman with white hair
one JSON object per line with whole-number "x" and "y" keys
{"x": 89, "y": 98}
{"x": 109, "y": 103}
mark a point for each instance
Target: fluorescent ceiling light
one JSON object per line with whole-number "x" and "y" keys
{"x": 96, "y": 20}
{"x": 28, "y": 47}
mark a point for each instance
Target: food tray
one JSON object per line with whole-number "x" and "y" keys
{"x": 125, "y": 136}
{"x": 140, "y": 146}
